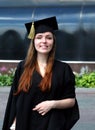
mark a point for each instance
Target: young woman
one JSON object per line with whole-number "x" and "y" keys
{"x": 42, "y": 96}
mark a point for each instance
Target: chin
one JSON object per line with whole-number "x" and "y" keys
{"x": 45, "y": 52}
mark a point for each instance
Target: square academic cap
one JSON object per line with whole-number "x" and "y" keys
{"x": 44, "y": 25}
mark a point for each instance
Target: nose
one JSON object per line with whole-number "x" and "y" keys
{"x": 44, "y": 39}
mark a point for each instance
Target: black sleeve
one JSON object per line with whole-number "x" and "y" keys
{"x": 10, "y": 111}
{"x": 69, "y": 82}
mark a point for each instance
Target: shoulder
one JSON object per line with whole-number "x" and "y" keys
{"x": 61, "y": 64}
{"x": 63, "y": 68}
{"x": 20, "y": 67}
{"x": 21, "y": 64}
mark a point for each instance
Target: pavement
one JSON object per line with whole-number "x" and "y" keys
{"x": 86, "y": 101}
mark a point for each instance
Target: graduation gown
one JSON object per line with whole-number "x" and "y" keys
{"x": 21, "y": 105}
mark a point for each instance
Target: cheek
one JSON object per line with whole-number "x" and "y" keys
{"x": 35, "y": 44}
{"x": 36, "y": 47}
{"x": 51, "y": 44}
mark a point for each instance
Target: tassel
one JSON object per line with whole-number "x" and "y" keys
{"x": 32, "y": 32}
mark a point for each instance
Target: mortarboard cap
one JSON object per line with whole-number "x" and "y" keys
{"x": 44, "y": 25}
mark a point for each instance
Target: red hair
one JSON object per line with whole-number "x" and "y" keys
{"x": 31, "y": 65}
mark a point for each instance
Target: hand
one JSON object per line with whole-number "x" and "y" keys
{"x": 44, "y": 107}
{"x": 13, "y": 126}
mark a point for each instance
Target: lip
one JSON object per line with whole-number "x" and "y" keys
{"x": 43, "y": 46}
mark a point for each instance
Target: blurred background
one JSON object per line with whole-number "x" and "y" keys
{"x": 75, "y": 38}
{"x": 75, "y": 45}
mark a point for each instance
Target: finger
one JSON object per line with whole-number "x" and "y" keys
{"x": 43, "y": 114}
{"x": 35, "y": 109}
{"x": 40, "y": 112}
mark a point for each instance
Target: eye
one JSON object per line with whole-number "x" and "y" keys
{"x": 38, "y": 37}
{"x": 49, "y": 37}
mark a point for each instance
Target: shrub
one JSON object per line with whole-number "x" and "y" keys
{"x": 6, "y": 79}
{"x": 86, "y": 80}
{"x": 83, "y": 79}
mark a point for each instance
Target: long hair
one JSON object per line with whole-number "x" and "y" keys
{"x": 30, "y": 65}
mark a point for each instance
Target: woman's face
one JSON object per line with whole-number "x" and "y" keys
{"x": 43, "y": 42}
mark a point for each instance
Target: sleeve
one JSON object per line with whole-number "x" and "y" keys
{"x": 68, "y": 82}
{"x": 10, "y": 111}
{"x": 72, "y": 115}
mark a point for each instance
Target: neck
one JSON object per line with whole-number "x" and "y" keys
{"x": 42, "y": 59}
{"x": 42, "y": 63}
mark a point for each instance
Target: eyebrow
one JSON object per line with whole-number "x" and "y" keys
{"x": 42, "y": 35}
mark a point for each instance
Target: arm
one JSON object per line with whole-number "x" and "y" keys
{"x": 46, "y": 106}
{"x": 64, "y": 103}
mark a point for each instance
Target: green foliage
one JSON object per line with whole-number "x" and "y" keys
{"x": 83, "y": 79}
{"x": 6, "y": 79}
{"x": 86, "y": 80}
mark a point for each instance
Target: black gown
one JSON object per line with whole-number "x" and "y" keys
{"x": 20, "y": 106}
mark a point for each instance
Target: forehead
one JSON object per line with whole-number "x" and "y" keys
{"x": 44, "y": 34}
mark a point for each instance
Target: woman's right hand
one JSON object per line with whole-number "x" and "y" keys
{"x": 13, "y": 125}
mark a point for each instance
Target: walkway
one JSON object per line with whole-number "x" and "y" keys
{"x": 86, "y": 101}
